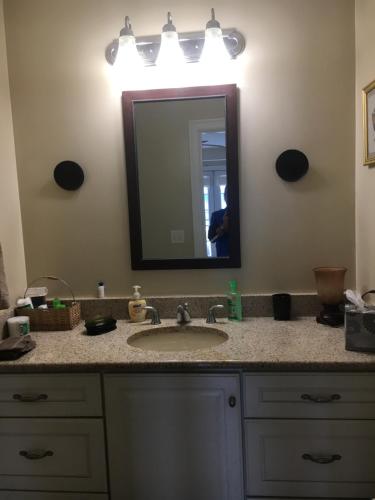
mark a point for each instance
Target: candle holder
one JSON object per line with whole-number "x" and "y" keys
{"x": 330, "y": 288}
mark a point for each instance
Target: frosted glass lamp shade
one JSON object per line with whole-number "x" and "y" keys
{"x": 170, "y": 54}
{"x": 214, "y": 50}
{"x": 128, "y": 59}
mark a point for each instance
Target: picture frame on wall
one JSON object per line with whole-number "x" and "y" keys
{"x": 369, "y": 123}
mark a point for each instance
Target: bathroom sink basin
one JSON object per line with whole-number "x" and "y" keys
{"x": 177, "y": 338}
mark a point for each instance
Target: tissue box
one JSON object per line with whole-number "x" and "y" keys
{"x": 360, "y": 329}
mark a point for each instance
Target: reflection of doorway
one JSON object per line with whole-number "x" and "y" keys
{"x": 208, "y": 178}
{"x": 214, "y": 183}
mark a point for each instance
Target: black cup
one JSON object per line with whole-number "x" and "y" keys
{"x": 281, "y": 306}
{"x": 38, "y": 301}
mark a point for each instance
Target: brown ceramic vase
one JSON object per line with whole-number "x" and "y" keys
{"x": 330, "y": 287}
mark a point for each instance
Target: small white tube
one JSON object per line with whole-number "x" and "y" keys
{"x": 101, "y": 290}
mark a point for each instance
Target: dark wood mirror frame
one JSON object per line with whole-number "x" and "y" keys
{"x": 129, "y": 98}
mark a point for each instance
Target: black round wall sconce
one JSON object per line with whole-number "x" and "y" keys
{"x": 69, "y": 175}
{"x": 292, "y": 165}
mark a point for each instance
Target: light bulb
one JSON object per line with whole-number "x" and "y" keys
{"x": 128, "y": 63}
{"x": 170, "y": 54}
{"x": 214, "y": 50}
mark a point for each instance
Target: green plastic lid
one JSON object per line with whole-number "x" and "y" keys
{"x": 233, "y": 285}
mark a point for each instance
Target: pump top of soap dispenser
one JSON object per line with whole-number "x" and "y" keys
{"x": 136, "y": 293}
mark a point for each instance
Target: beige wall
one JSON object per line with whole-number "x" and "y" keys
{"x": 10, "y": 215}
{"x": 365, "y": 176}
{"x": 296, "y": 92}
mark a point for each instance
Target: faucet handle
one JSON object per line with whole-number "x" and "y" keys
{"x": 211, "y": 318}
{"x": 183, "y": 313}
{"x": 187, "y": 312}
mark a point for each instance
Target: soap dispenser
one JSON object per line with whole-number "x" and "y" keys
{"x": 137, "y": 311}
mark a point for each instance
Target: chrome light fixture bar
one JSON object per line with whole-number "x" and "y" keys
{"x": 190, "y": 42}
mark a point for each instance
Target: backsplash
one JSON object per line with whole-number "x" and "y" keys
{"x": 253, "y": 305}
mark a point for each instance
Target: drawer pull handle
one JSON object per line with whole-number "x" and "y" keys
{"x": 321, "y": 459}
{"x": 321, "y": 399}
{"x": 30, "y": 398}
{"x": 36, "y": 454}
{"x": 232, "y": 401}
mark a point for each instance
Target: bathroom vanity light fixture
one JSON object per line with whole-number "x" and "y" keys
{"x": 209, "y": 44}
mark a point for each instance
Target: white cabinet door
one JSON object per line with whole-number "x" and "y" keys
{"x": 174, "y": 437}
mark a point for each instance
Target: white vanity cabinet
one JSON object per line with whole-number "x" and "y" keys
{"x": 181, "y": 436}
{"x": 174, "y": 437}
{"x": 310, "y": 435}
{"x": 52, "y": 438}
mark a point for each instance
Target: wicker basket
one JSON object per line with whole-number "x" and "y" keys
{"x": 53, "y": 319}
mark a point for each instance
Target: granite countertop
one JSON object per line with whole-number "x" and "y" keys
{"x": 254, "y": 344}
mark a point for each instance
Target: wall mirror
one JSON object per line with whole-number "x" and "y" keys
{"x": 182, "y": 176}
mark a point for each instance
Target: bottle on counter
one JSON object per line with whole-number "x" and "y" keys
{"x": 234, "y": 302}
{"x": 57, "y": 304}
{"x": 101, "y": 290}
{"x": 137, "y": 313}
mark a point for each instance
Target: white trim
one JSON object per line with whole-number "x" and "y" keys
{"x": 196, "y": 127}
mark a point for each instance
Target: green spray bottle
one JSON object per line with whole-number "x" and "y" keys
{"x": 234, "y": 302}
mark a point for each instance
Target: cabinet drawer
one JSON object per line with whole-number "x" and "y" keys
{"x": 50, "y": 395}
{"x": 52, "y": 455}
{"x": 30, "y": 495}
{"x": 310, "y": 395}
{"x": 310, "y": 458}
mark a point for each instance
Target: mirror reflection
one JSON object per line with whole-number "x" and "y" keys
{"x": 181, "y": 150}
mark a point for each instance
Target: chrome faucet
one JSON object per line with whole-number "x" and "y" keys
{"x": 183, "y": 314}
{"x": 155, "y": 319}
{"x": 211, "y": 318}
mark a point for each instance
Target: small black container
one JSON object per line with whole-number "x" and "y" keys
{"x": 38, "y": 301}
{"x": 99, "y": 325}
{"x": 281, "y": 306}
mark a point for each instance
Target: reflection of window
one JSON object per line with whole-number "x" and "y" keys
{"x": 206, "y": 191}
{"x": 223, "y": 203}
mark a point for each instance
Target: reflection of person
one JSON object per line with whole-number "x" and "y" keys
{"x": 218, "y": 232}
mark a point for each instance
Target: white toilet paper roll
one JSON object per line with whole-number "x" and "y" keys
{"x": 19, "y": 325}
